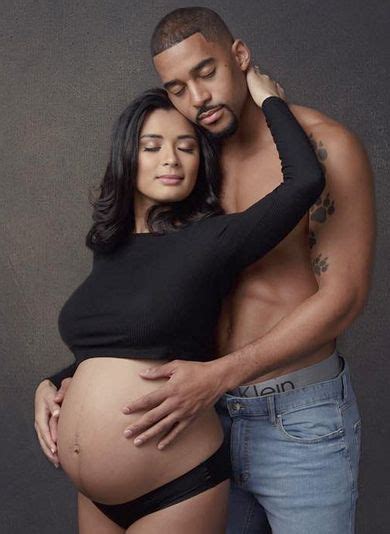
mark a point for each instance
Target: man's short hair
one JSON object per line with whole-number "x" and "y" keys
{"x": 184, "y": 22}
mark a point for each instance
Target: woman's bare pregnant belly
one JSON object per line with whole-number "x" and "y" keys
{"x": 104, "y": 464}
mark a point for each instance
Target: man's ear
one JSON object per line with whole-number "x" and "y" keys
{"x": 241, "y": 54}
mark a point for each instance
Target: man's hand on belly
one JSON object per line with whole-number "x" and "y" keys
{"x": 192, "y": 387}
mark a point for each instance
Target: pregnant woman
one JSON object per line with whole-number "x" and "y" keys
{"x": 164, "y": 257}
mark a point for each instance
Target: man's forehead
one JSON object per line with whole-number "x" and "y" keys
{"x": 179, "y": 59}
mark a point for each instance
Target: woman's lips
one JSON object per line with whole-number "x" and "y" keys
{"x": 214, "y": 116}
{"x": 170, "y": 179}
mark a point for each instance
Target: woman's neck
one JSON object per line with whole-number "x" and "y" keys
{"x": 141, "y": 207}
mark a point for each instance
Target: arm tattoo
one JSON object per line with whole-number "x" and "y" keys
{"x": 320, "y": 150}
{"x": 324, "y": 206}
{"x": 320, "y": 264}
{"x": 322, "y": 209}
{"x": 312, "y": 239}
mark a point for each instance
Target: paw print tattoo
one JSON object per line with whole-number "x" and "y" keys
{"x": 320, "y": 265}
{"x": 320, "y": 150}
{"x": 322, "y": 209}
{"x": 312, "y": 239}
{"x": 322, "y": 154}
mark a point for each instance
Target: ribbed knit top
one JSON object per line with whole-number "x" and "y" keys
{"x": 159, "y": 296}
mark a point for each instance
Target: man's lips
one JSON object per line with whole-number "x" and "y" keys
{"x": 211, "y": 115}
{"x": 170, "y": 179}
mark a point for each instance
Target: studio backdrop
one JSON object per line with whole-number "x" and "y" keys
{"x": 68, "y": 69}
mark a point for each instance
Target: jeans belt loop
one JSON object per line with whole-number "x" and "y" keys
{"x": 344, "y": 382}
{"x": 272, "y": 408}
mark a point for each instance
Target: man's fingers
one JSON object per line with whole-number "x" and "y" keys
{"x": 172, "y": 435}
{"x": 161, "y": 371}
{"x": 149, "y": 419}
{"x": 146, "y": 402}
{"x": 162, "y": 426}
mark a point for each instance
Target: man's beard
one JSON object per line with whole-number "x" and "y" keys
{"x": 228, "y": 131}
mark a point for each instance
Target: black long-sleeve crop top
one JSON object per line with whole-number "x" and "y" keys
{"x": 159, "y": 296}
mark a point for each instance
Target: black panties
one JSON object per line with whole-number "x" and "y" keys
{"x": 204, "y": 476}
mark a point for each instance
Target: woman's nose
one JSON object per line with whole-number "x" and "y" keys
{"x": 171, "y": 158}
{"x": 170, "y": 164}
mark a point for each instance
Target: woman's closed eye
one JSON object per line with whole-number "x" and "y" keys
{"x": 156, "y": 148}
{"x": 190, "y": 150}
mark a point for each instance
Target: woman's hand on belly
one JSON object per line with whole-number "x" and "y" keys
{"x": 192, "y": 387}
{"x": 47, "y": 407}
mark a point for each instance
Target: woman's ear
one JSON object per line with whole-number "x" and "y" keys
{"x": 241, "y": 54}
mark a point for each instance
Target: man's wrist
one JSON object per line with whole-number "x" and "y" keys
{"x": 227, "y": 369}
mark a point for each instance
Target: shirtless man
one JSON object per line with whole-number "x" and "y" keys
{"x": 294, "y": 442}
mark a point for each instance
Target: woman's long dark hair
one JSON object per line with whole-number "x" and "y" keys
{"x": 113, "y": 213}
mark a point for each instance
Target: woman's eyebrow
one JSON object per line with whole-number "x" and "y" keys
{"x": 187, "y": 136}
{"x": 156, "y": 136}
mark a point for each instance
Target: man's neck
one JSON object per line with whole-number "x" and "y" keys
{"x": 252, "y": 130}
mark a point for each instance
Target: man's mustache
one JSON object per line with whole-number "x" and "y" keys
{"x": 205, "y": 109}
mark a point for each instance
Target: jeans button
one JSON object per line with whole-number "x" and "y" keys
{"x": 236, "y": 406}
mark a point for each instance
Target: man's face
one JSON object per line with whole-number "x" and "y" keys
{"x": 206, "y": 82}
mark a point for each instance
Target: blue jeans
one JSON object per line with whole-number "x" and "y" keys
{"x": 295, "y": 458}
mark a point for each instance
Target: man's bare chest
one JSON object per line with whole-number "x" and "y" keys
{"x": 247, "y": 180}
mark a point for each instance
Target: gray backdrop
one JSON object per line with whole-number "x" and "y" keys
{"x": 68, "y": 69}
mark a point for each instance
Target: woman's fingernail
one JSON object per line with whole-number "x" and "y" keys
{"x": 128, "y": 432}
{"x": 53, "y": 450}
{"x": 56, "y": 412}
{"x": 138, "y": 441}
{"x": 125, "y": 410}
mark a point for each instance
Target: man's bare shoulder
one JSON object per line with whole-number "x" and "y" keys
{"x": 322, "y": 127}
{"x": 310, "y": 117}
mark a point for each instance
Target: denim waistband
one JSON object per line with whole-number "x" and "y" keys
{"x": 337, "y": 388}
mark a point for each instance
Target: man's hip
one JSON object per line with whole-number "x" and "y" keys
{"x": 297, "y": 453}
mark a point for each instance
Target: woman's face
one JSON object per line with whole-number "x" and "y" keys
{"x": 168, "y": 159}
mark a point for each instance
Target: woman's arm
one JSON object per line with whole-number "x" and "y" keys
{"x": 249, "y": 235}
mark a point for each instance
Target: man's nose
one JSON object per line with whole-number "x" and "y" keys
{"x": 199, "y": 95}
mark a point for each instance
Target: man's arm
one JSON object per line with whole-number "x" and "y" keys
{"x": 342, "y": 236}
{"x": 342, "y": 239}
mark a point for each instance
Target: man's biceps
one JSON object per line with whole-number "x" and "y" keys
{"x": 323, "y": 209}
{"x": 343, "y": 275}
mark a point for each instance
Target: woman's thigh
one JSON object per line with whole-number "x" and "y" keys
{"x": 92, "y": 521}
{"x": 205, "y": 513}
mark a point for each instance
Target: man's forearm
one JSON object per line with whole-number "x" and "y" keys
{"x": 315, "y": 322}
